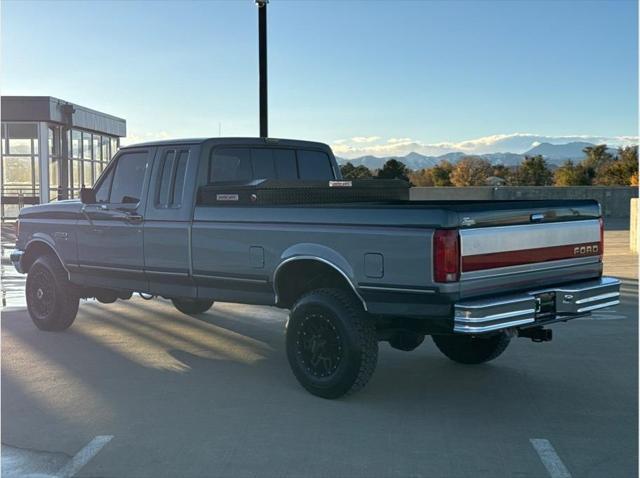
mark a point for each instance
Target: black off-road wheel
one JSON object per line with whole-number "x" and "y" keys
{"x": 332, "y": 345}
{"x": 52, "y": 301}
{"x": 192, "y": 306}
{"x": 472, "y": 349}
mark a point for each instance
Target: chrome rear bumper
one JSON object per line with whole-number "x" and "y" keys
{"x": 539, "y": 306}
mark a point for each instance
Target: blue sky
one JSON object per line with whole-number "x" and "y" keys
{"x": 363, "y": 76}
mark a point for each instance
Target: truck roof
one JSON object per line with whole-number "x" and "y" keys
{"x": 233, "y": 140}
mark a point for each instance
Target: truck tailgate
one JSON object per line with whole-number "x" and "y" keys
{"x": 502, "y": 258}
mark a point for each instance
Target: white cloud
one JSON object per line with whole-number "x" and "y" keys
{"x": 365, "y": 139}
{"x": 498, "y": 143}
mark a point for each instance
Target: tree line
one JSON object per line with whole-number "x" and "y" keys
{"x": 599, "y": 167}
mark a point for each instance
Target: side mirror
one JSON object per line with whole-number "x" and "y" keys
{"x": 87, "y": 196}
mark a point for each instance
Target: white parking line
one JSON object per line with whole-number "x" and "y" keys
{"x": 84, "y": 456}
{"x": 550, "y": 458}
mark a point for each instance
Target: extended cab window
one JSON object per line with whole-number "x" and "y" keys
{"x": 128, "y": 178}
{"x": 314, "y": 165}
{"x": 171, "y": 180}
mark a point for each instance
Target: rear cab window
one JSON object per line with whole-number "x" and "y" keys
{"x": 314, "y": 165}
{"x": 247, "y": 164}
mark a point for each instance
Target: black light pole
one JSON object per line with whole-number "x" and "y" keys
{"x": 262, "y": 52}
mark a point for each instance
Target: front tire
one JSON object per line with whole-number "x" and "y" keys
{"x": 332, "y": 345}
{"x": 52, "y": 301}
{"x": 192, "y": 306}
{"x": 469, "y": 349}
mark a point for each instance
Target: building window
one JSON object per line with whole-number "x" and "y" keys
{"x": 106, "y": 156}
{"x": 88, "y": 154}
{"x": 76, "y": 144}
{"x": 19, "y": 166}
{"x": 115, "y": 145}
{"x": 86, "y": 145}
{"x": 23, "y": 138}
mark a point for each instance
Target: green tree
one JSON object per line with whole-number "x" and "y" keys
{"x": 500, "y": 171}
{"x": 421, "y": 177}
{"x": 394, "y": 169}
{"x": 533, "y": 171}
{"x": 621, "y": 171}
{"x": 471, "y": 171}
{"x": 597, "y": 158}
{"x": 349, "y": 171}
{"x": 441, "y": 173}
{"x": 571, "y": 174}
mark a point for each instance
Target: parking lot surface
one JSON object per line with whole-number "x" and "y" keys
{"x": 145, "y": 391}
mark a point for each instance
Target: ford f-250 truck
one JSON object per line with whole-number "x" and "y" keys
{"x": 193, "y": 221}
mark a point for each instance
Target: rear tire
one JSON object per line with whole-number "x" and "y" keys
{"x": 406, "y": 341}
{"x": 332, "y": 345}
{"x": 192, "y": 306}
{"x": 469, "y": 349}
{"x": 52, "y": 301}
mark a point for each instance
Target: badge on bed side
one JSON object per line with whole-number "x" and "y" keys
{"x": 227, "y": 197}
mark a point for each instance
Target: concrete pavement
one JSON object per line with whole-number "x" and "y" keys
{"x": 214, "y": 396}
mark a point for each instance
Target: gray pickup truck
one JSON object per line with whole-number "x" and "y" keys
{"x": 271, "y": 222}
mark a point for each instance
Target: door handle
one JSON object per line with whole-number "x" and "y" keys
{"x": 133, "y": 218}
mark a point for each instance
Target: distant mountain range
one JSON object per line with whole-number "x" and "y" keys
{"x": 555, "y": 154}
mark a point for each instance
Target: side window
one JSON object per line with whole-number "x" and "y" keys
{"x": 178, "y": 184}
{"x": 171, "y": 179}
{"x": 164, "y": 187}
{"x": 102, "y": 192}
{"x": 128, "y": 178}
{"x": 314, "y": 165}
{"x": 230, "y": 164}
{"x": 285, "y": 162}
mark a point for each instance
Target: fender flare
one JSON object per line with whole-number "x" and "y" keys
{"x": 322, "y": 254}
{"x": 46, "y": 240}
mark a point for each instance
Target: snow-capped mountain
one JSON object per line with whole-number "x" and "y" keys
{"x": 559, "y": 152}
{"x": 555, "y": 154}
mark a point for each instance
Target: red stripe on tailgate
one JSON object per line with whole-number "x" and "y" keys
{"x": 528, "y": 256}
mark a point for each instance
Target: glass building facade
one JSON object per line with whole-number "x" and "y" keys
{"x": 61, "y": 149}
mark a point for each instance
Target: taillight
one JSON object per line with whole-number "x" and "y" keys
{"x": 446, "y": 255}
{"x": 601, "y": 237}
{"x": 17, "y": 228}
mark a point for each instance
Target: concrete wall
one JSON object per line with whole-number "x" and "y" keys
{"x": 614, "y": 200}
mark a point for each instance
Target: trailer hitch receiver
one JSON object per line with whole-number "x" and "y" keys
{"x": 536, "y": 334}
